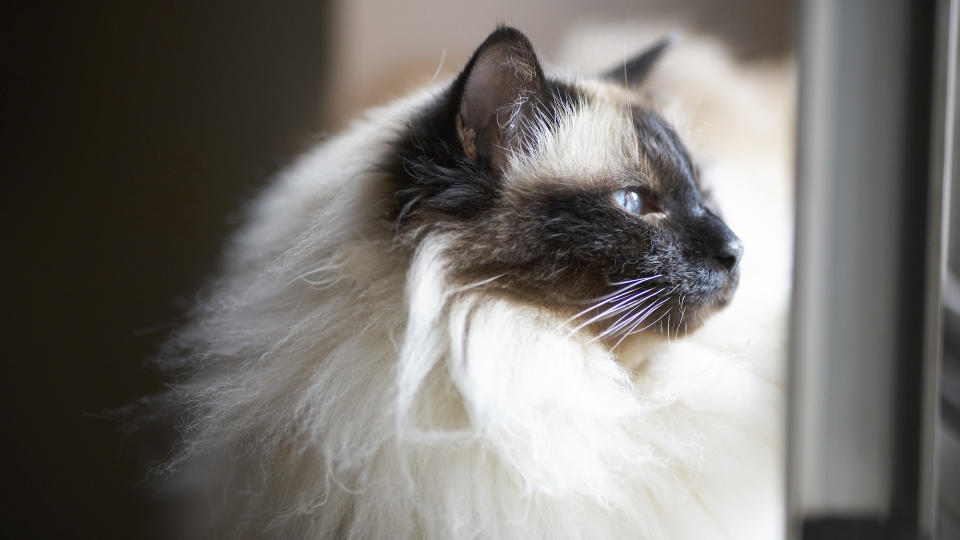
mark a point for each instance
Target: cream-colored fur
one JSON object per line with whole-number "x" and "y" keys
{"x": 336, "y": 386}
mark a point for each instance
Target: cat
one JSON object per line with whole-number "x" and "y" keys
{"x": 462, "y": 318}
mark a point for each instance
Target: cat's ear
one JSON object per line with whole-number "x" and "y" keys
{"x": 500, "y": 77}
{"x": 632, "y": 72}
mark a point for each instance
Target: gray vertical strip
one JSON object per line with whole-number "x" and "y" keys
{"x": 943, "y": 133}
{"x": 865, "y": 327}
{"x": 945, "y": 460}
{"x": 844, "y": 346}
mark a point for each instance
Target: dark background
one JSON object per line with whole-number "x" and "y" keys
{"x": 132, "y": 133}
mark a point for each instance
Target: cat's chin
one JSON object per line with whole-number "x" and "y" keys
{"x": 681, "y": 322}
{"x": 725, "y": 295}
{"x": 719, "y": 298}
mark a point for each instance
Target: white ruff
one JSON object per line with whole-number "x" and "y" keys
{"x": 336, "y": 388}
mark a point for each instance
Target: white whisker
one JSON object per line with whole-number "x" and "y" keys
{"x": 680, "y": 322}
{"x": 613, "y": 296}
{"x": 633, "y": 330}
{"x": 642, "y": 314}
{"x": 606, "y": 300}
{"x": 626, "y": 305}
{"x": 443, "y": 56}
{"x": 629, "y": 284}
{"x": 638, "y": 280}
{"x": 636, "y": 309}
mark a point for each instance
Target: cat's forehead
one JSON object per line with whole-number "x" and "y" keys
{"x": 601, "y": 135}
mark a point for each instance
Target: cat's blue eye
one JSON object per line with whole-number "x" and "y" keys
{"x": 629, "y": 199}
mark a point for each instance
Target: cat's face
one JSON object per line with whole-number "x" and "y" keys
{"x": 573, "y": 195}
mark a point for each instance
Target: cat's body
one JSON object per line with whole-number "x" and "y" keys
{"x": 371, "y": 365}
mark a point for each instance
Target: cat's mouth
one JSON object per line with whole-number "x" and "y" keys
{"x": 699, "y": 308}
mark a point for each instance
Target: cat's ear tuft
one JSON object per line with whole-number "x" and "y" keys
{"x": 502, "y": 74}
{"x": 632, "y": 72}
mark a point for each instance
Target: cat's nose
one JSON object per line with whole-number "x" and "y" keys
{"x": 729, "y": 254}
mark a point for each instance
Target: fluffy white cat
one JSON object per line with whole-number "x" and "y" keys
{"x": 393, "y": 348}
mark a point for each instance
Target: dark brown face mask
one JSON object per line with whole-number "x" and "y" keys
{"x": 622, "y": 253}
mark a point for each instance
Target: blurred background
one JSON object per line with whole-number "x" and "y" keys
{"x": 134, "y": 132}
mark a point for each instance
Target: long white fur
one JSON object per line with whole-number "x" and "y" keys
{"x": 335, "y": 389}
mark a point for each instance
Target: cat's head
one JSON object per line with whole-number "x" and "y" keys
{"x": 572, "y": 193}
